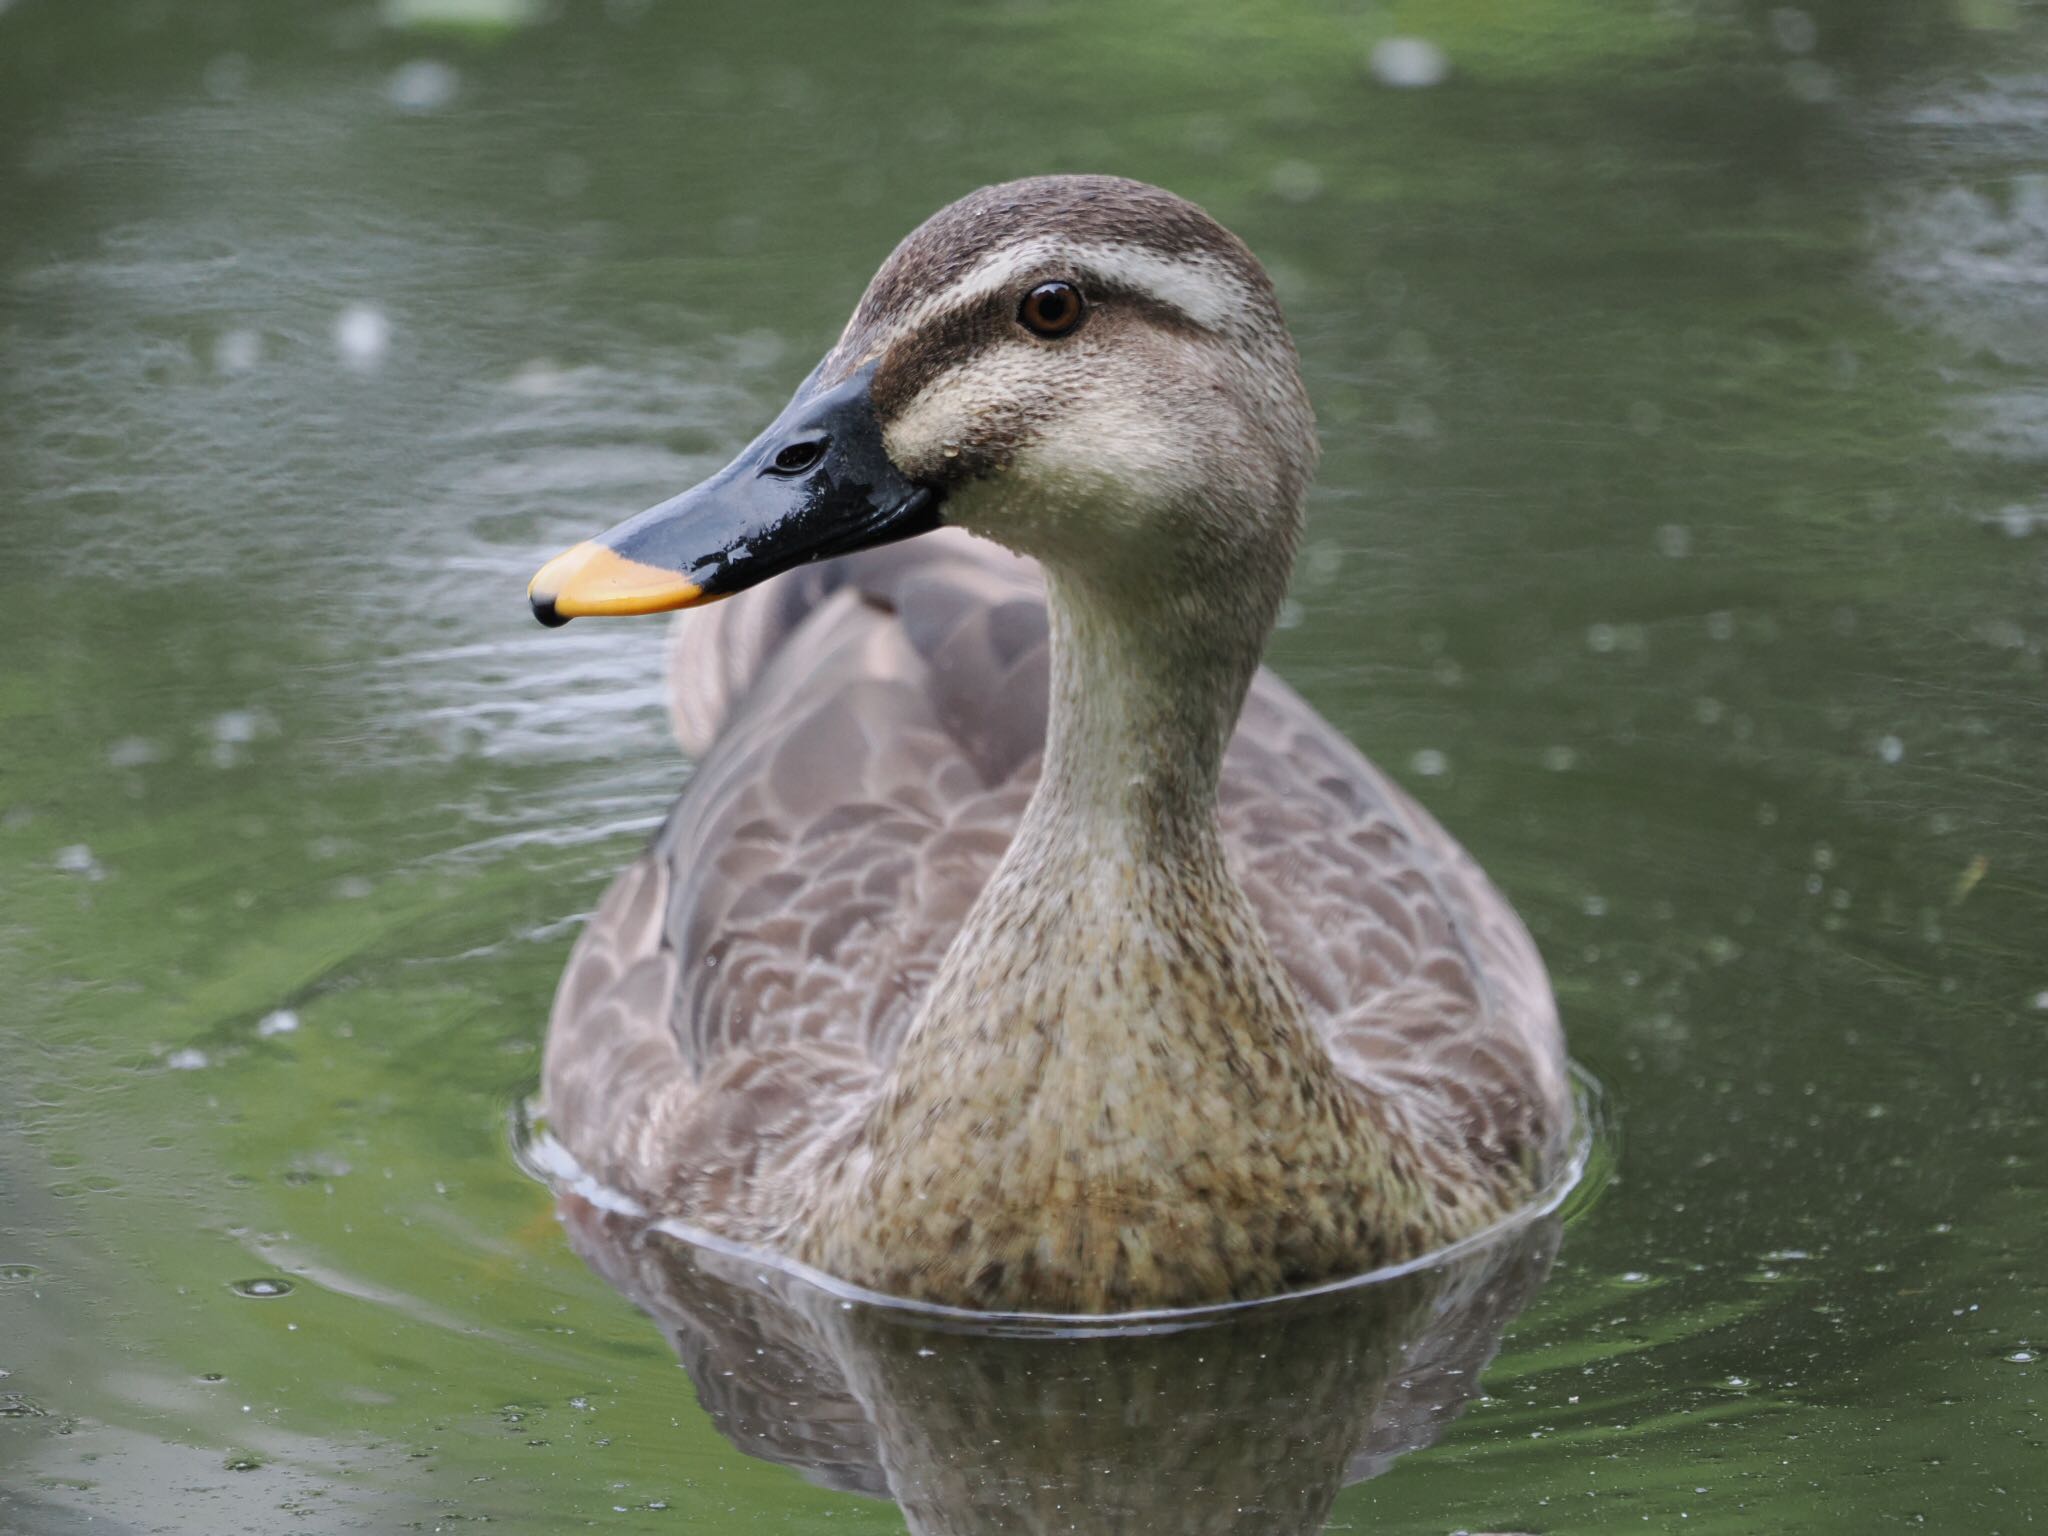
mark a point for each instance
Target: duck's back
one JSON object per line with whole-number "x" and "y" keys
{"x": 868, "y": 732}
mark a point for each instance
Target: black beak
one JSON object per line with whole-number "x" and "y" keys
{"x": 817, "y": 483}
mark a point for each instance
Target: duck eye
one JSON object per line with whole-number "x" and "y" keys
{"x": 1052, "y": 310}
{"x": 798, "y": 457}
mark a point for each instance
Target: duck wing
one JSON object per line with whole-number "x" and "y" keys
{"x": 868, "y": 733}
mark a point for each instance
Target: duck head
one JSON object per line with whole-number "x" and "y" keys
{"x": 1086, "y": 369}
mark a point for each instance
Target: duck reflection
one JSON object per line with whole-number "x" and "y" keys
{"x": 1248, "y": 1420}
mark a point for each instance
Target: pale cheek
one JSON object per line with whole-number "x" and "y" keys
{"x": 934, "y": 426}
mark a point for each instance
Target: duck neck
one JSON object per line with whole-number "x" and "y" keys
{"x": 1145, "y": 692}
{"x": 1110, "y": 1058}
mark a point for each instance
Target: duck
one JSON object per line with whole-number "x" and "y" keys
{"x": 1019, "y": 943}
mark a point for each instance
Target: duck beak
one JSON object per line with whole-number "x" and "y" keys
{"x": 817, "y": 483}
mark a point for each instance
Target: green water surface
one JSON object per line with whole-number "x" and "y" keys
{"x": 1682, "y": 541}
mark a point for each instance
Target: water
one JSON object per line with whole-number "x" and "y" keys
{"x": 1681, "y": 540}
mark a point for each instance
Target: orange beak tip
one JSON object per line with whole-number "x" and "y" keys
{"x": 592, "y": 580}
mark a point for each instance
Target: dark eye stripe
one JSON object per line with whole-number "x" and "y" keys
{"x": 957, "y": 335}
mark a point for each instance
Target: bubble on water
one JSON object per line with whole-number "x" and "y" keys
{"x": 2023, "y": 1357}
{"x": 133, "y": 752}
{"x": 423, "y": 85}
{"x": 78, "y": 859}
{"x": 1409, "y": 63}
{"x": 353, "y": 888}
{"x": 1632, "y": 1277}
{"x": 1890, "y": 749}
{"x": 281, "y": 1021}
{"x": 2017, "y": 521}
{"x": 238, "y": 350}
{"x": 242, "y": 1463}
{"x": 233, "y": 730}
{"x": 362, "y": 335}
{"x": 1810, "y": 82}
{"x": 1674, "y": 541}
{"x": 1296, "y": 180}
{"x": 461, "y": 15}
{"x": 1600, "y": 638}
{"x": 2041, "y": 1002}
{"x": 1594, "y": 906}
{"x": 1560, "y": 759}
{"x": 1793, "y": 29}
{"x": 226, "y": 77}
{"x": 262, "y": 1287}
{"x": 190, "y": 1059}
{"x": 1430, "y": 763}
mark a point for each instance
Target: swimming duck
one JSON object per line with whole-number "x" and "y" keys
{"x": 1020, "y": 943}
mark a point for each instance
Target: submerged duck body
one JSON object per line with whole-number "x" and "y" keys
{"x": 1020, "y": 943}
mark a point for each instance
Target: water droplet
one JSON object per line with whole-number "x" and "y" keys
{"x": 191, "y": 1059}
{"x": 474, "y": 16}
{"x": 1296, "y": 181}
{"x": 77, "y": 859}
{"x": 1674, "y": 541}
{"x": 362, "y": 335}
{"x": 1793, "y": 29}
{"x": 262, "y": 1288}
{"x": 226, "y": 77}
{"x": 238, "y": 350}
{"x": 1430, "y": 763}
{"x": 1890, "y": 749}
{"x": 423, "y": 85}
{"x": 282, "y": 1021}
{"x": 1409, "y": 63}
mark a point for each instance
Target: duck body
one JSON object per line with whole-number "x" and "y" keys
{"x": 1019, "y": 943}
